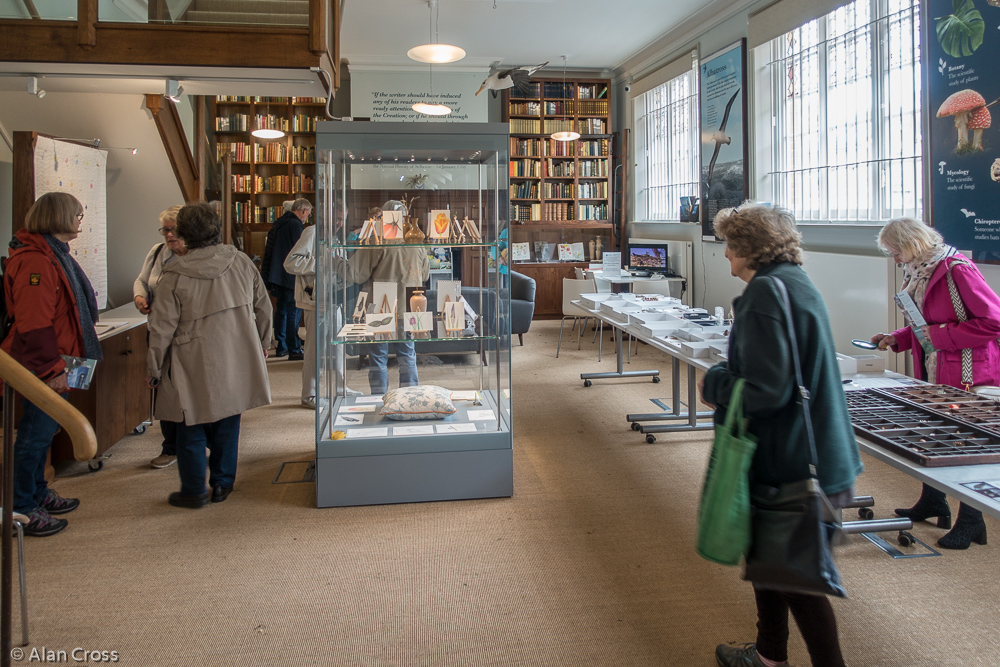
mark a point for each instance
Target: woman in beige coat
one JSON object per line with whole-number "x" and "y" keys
{"x": 209, "y": 331}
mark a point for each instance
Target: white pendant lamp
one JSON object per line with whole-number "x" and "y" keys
{"x": 565, "y": 135}
{"x": 435, "y": 52}
{"x": 267, "y": 132}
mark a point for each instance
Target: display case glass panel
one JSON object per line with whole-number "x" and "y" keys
{"x": 412, "y": 291}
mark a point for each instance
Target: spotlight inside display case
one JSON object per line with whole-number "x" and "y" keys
{"x": 413, "y": 363}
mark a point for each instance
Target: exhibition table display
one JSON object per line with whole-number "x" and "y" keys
{"x": 403, "y": 191}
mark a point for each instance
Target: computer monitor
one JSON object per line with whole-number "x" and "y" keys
{"x": 648, "y": 258}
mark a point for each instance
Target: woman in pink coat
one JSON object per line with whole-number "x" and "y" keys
{"x": 963, "y": 320}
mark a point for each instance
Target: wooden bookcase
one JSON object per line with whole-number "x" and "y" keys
{"x": 266, "y": 172}
{"x": 559, "y": 191}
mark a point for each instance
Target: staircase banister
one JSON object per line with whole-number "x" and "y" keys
{"x": 79, "y": 429}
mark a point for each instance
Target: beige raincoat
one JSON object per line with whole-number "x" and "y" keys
{"x": 208, "y": 330}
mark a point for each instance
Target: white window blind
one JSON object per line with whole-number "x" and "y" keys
{"x": 667, "y": 139}
{"x": 845, "y": 97}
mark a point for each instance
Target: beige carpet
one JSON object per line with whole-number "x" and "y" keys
{"x": 590, "y": 563}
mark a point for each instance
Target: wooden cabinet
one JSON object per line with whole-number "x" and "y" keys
{"x": 559, "y": 190}
{"x": 118, "y": 399}
{"x": 266, "y": 172}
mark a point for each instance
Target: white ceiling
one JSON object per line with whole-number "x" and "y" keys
{"x": 593, "y": 34}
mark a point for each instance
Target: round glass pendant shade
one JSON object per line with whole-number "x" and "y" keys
{"x": 265, "y": 133}
{"x": 565, "y": 136}
{"x": 436, "y": 53}
{"x": 431, "y": 109}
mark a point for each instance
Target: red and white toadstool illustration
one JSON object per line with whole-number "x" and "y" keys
{"x": 979, "y": 120}
{"x": 959, "y": 105}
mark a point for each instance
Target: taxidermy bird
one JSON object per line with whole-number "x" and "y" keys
{"x": 721, "y": 137}
{"x": 515, "y": 77}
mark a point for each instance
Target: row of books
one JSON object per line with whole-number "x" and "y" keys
{"x": 303, "y": 183}
{"x": 558, "y": 190}
{"x": 270, "y": 121}
{"x": 550, "y": 147}
{"x": 241, "y": 152}
{"x": 591, "y": 126}
{"x": 242, "y": 183}
{"x": 525, "y": 126}
{"x": 525, "y": 212}
{"x": 272, "y": 184}
{"x": 237, "y": 122}
{"x": 592, "y": 190}
{"x": 304, "y": 123}
{"x": 524, "y": 190}
{"x": 557, "y": 211}
{"x": 245, "y": 213}
{"x": 564, "y": 91}
{"x": 526, "y": 108}
{"x": 592, "y": 91}
{"x": 269, "y": 100}
{"x": 303, "y": 153}
{"x": 525, "y": 168}
{"x": 271, "y": 152}
{"x": 593, "y": 212}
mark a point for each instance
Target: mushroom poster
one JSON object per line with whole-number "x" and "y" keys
{"x": 963, "y": 84}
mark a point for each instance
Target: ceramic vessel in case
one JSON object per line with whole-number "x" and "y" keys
{"x": 418, "y": 302}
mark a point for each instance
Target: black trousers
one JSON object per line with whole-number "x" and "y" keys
{"x": 814, "y": 616}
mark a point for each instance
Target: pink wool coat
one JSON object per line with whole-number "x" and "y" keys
{"x": 950, "y": 337}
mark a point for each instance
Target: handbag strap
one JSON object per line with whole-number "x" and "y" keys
{"x": 786, "y": 305}
{"x": 963, "y": 316}
{"x": 734, "y": 415}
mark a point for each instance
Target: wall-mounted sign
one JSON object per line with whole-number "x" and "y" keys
{"x": 386, "y": 96}
{"x": 963, "y": 87}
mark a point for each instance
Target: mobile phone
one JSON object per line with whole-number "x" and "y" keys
{"x": 868, "y": 345}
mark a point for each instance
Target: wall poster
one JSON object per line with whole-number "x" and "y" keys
{"x": 62, "y": 166}
{"x": 722, "y": 95}
{"x": 963, "y": 85}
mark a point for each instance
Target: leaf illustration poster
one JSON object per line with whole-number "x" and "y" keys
{"x": 963, "y": 89}
{"x": 722, "y": 83}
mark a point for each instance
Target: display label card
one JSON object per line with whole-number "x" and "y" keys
{"x": 455, "y": 428}
{"x": 357, "y": 408}
{"x": 423, "y": 429}
{"x": 480, "y": 415}
{"x": 349, "y": 420}
{"x": 368, "y": 433}
{"x": 612, "y": 264}
{"x": 468, "y": 395}
{"x": 368, "y": 399}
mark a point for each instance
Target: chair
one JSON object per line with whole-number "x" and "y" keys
{"x": 579, "y": 273}
{"x": 602, "y": 287}
{"x": 19, "y": 521}
{"x": 522, "y": 304}
{"x": 571, "y": 291}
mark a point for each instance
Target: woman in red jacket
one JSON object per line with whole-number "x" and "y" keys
{"x": 963, "y": 322}
{"x": 54, "y": 309}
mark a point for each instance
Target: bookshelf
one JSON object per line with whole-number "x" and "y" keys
{"x": 559, "y": 191}
{"x": 266, "y": 172}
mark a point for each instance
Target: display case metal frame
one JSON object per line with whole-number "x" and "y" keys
{"x": 394, "y": 468}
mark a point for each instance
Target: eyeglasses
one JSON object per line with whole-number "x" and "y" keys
{"x": 168, "y": 230}
{"x": 79, "y": 216}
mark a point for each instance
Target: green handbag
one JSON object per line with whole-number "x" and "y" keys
{"x": 724, "y": 515}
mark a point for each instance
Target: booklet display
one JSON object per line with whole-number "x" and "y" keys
{"x": 79, "y": 371}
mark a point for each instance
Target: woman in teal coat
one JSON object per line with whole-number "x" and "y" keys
{"x": 762, "y": 242}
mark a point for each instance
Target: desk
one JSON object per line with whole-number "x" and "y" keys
{"x": 677, "y": 357}
{"x": 118, "y": 400}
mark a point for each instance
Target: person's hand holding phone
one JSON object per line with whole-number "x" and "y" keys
{"x": 883, "y": 341}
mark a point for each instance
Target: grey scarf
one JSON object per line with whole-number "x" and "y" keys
{"x": 86, "y": 302}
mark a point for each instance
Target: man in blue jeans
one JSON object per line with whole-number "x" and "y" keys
{"x": 281, "y": 239}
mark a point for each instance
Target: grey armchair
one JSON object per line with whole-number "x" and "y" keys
{"x": 522, "y": 304}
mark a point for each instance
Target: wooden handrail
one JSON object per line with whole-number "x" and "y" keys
{"x": 79, "y": 429}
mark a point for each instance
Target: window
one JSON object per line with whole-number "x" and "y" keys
{"x": 844, "y": 98}
{"x": 666, "y": 122}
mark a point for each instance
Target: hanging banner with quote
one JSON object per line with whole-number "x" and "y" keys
{"x": 723, "y": 133}
{"x": 963, "y": 85}
{"x": 389, "y": 96}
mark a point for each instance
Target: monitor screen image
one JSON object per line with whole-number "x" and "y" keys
{"x": 649, "y": 258}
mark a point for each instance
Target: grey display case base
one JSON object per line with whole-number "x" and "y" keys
{"x": 413, "y": 478}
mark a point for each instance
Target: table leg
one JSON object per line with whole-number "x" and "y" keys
{"x": 620, "y": 372}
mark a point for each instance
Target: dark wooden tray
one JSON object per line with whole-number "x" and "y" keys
{"x": 926, "y": 428}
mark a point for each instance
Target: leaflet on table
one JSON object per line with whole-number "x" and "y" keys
{"x": 990, "y": 488}
{"x": 79, "y": 371}
{"x": 612, "y": 264}
{"x": 905, "y": 303}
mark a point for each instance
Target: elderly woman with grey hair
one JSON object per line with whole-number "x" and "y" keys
{"x": 762, "y": 244}
{"x": 962, "y": 314}
{"x": 209, "y": 332}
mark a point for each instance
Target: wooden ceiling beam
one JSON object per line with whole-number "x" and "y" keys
{"x": 145, "y": 44}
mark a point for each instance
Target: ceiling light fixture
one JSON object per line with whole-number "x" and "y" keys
{"x": 266, "y": 132}
{"x": 565, "y": 135}
{"x": 435, "y": 52}
{"x": 174, "y": 90}
{"x": 33, "y": 87}
{"x": 430, "y": 108}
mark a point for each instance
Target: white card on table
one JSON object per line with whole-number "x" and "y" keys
{"x": 422, "y": 429}
{"x": 479, "y": 415}
{"x": 455, "y": 428}
{"x": 367, "y": 432}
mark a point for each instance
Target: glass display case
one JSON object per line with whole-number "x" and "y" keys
{"x": 393, "y": 200}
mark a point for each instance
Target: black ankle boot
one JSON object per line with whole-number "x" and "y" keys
{"x": 932, "y": 503}
{"x": 969, "y": 528}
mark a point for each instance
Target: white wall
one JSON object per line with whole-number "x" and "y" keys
{"x": 139, "y": 186}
